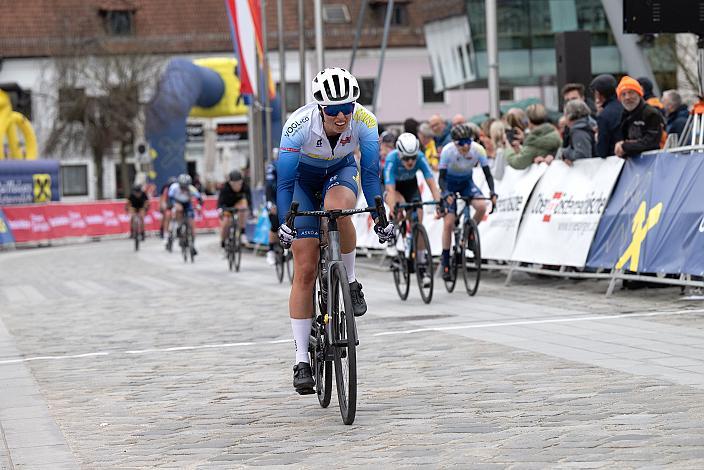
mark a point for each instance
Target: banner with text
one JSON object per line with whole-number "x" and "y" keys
{"x": 563, "y": 214}
{"x": 654, "y": 222}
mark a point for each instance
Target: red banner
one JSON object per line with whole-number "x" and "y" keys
{"x": 51, "y": 221}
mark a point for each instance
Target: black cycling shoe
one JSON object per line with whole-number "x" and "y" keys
{"x": 359, "y": 305}
{"x": 303, "y": 379}
{"x": 446, "y": 274}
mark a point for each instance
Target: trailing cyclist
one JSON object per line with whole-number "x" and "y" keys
{"x": 317, "y": 167}
{"x": 234, "y": 193}
{"x": 181, "y": 194}
{"x": 400, "y": 179}
{"x": 137, "y": 203}
{"x": 270, "y": 186}
{"x": 457, "y": 162}
{"x": 164, "y": 207}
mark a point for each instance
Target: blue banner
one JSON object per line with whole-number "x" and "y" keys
{"x": 654, "y": 222}
{"x": 29, "y": 181}
{"x": 5, "y": 232}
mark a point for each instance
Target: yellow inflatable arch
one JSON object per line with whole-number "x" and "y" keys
{"x": 12, "y": 124}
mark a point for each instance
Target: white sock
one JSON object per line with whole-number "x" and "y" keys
{"x": 348, "y": 260}
{"x": 301, "y": 336}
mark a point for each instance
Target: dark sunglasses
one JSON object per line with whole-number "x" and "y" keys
{"x": 335, "y": 109}
{"x": 463, "y": 142}
{"x": 407, "y": 158}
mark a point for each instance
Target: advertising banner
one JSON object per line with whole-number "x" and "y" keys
{"x": 498, "y": 231}
{"x": 29, "y": 181}
{"x": 654, "y": 222}
{"x": 29, "y": 223}
{"x": 563, "y": 214}
{"x": 5, "y": 232}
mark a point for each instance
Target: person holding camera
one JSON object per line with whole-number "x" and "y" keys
{"x": 542, "y": 141}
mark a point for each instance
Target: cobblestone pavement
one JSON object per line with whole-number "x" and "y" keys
{"x": 112, "y": 359}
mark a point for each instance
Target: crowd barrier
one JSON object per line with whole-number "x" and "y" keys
{"x": 37, "y": 223}
{"x": 604, "y": 218}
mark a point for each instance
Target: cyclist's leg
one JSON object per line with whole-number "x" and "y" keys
{"x": 142, "y": 212}
{"x": 447, "y": 229}
{"x": 478, "y": 204}
{"x": 225, "y": 222}
{"x": 242, "y": 212}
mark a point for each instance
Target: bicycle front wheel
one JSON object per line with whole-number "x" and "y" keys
{"x": 135, "y": 234}
{"x": 289, "y": 265}
{"x": 344, "y": 336}
{"x": 319, "y": 350}
{"x": 472, "y": 258}
{"x": 399, "y": 268}
{"x": 454, "y": 261}
{"x": 237, "y": 244}
{"x": 423, "y": 262}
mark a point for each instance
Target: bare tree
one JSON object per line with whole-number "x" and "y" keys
{"x": 99, "y": 95}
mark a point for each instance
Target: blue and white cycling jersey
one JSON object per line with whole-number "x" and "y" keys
{"x": 459, "y": 167}
{"x": 184, "y": 197}
{"x": 394, "y": 170}
{"x": 308, "y": 165}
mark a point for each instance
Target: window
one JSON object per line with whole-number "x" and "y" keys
{"x": 429, "y": 95}
{"x": 506, "y": 94}
{"x": 118, "y": 22}
{"x": 399, "y": 14}
{"x": 71, "y": 104}
{"x": 366, "y": 91}
{"x": 336, "y": 13}
{"x": 74, "y": 180}
{"x": 121, "y": 192}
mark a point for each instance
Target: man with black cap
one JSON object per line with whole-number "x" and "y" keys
{"x": 608, "y": 116}
{"x": 234, "y": 193}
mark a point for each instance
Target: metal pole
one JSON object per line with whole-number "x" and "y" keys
{"x": 358, "y": 33}
{"x": 492, "y": 53}
{"x": 387, "y": 25}
{"x": 319, "y": 48}
{"x": 282, "y": 58}
{"x": 265, "y": 92}
{"x": 301, "y": 53}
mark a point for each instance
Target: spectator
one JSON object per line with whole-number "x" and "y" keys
{"x": 580, "y": 138}
{"x": 575, "y": 91}
{"x": 641, "y": 124}
{"x": 410, "y": 125}
{"x": 542, "y": 141}
{"x": 476, "y": 130}
{"x": 497, "y": 137}
{"x": 425, "y": 136}
{"x": 387, "y": 143}
{"x": 458, "y": 119}
{"x": 441, "y": 131}
{"x": 485, "y": 137}
{"x": 648, "y": 95}
{"x": 608, "y": 118}
{"x": 517, "y": 122}
{"x": 676, "y": 112}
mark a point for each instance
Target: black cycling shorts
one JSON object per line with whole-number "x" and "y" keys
{"x": 409, "y": 190}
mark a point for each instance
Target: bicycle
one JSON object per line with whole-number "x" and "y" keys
{"x": 233, "y": 242}
{"x": 413, "y": 235}
{"x": 284, "y": 262}
{"x": 136, "y": 230}
{"x": 185, "y": 239}
{"x": 466, "y": 250}
{"x": 334, "y": 336}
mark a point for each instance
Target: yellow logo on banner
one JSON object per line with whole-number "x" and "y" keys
{"x": 3, "y": 227}
{"x": 640, "y": 229}
{"x": 42, "y": 187}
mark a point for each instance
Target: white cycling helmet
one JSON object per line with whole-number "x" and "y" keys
{"x": 184, "y": 180}
{"x": 407, "y": 145}
{"x": 335, "y": 86}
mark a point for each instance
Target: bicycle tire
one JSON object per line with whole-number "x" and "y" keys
{"x": 280, "y": 260}
{"x": 289, "y": 266}
{"x": 237, "y": 248}
{"x": 135, "y": 234}
{"x": 322, "y": 367}
{"x": 399, "y": 267}
{"x": 344, "y": 343}
{"x": 471, "y": 257}
{"x": 419, "y": 233}
{"x": 454, "y": 254}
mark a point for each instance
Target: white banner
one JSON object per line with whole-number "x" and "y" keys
{"x": 498, "y": 231}
{"x": 563, "y": 214}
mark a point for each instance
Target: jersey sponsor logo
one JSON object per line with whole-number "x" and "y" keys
{"x": 296, "y": 126}
{"x": 319, "y": 143}
{"x": 363, "y": 116}
{"x": 346, "y": 140}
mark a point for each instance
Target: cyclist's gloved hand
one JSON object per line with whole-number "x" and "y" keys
{"x": 385, "y": 234}
{"x": 286, "y": 235}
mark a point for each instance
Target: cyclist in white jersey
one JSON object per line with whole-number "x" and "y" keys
{"x": 317, "y": 167}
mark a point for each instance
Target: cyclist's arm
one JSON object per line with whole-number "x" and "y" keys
{"x": 442, "y": 180}
{"x": 484, "y": 162}
{"x": 442, "y": 167}
{"x": 221, "y": 197}
{"x": 369, "y": 163}
{"x": 288, "y": 164}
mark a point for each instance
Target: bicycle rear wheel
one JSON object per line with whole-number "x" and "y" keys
{"x": 472, "y": 258}
{"x": 344, "y": 345}
{"x": 423, "y": 262}
{"x": 318, "y": 349}
{"x": 399, "y": 267}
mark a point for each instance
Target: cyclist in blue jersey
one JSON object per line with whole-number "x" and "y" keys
{"x": 270, "y": 186}
{"x": 180, "y": 195}
{"x": 401, "y": 183}
{"x": 457, "y": 162}
{"x": 317, "y": 167}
